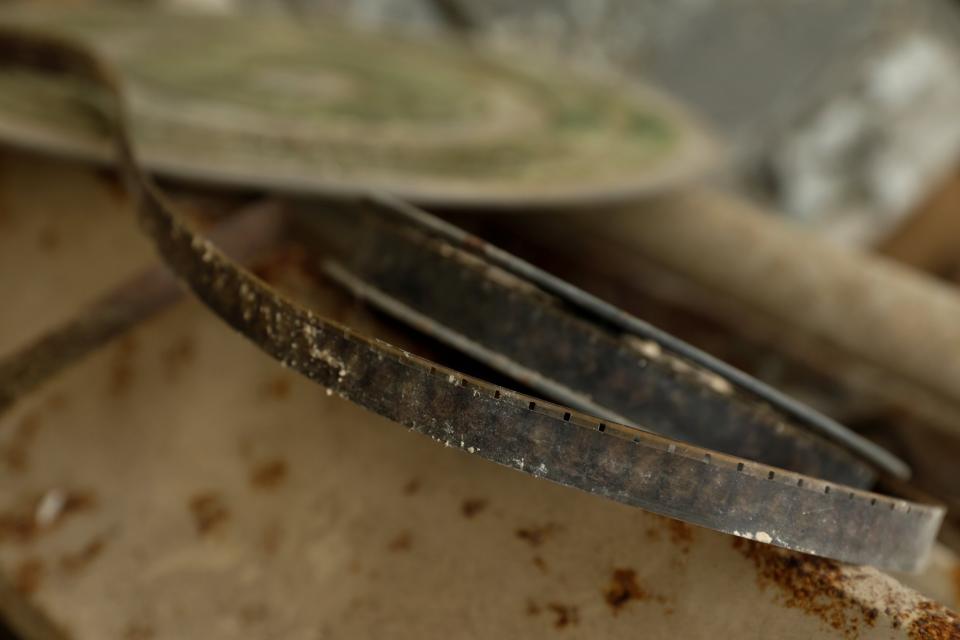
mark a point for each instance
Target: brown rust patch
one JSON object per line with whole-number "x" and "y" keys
{"x": 411, "y": 487}
{"x": 209, "y": 512}
{"x": 540, "y": 563}
{"x": 935, "y": 622}
{"x": 78, "y": 560}
{"x": 536, "y": 535}
{"x": 271, "y": 538}
{"x": 278, "y": 387}
{"x": 472, "y": 506}
{"x": 28, "y": 576}
{"x": 401, "y": 542}
{"x": 956, "y": 582}
{"x": 565, "y": 614}
{"x": 177, "y": 356}
{"x": 16, "y": 452}
{"x": 813, "y": 585}
{"x": 681, "y": 534}
{"x": 76, "y": 502}
{"x": 623, "y": 588}
{"x": 18, "y": 526}
{"x": 269, "y": 474}
{"x": 121, "y": 366}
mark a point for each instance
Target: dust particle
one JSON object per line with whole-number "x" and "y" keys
{"x": 269, "y": 475}
{"x": 472, "y": 506}
{"x": 209, "y": 512}
{"x": 533, "y": 609}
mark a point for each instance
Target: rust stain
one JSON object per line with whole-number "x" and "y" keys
{"x": 412, "y": 487}
{"x": 935, "y": 622}
{"x": 624, "y": 588}
{"x": 29, "y": 576}
{"x": 401, "y": 542}
{"x": 566, "y": 615}
{"x": 540, "y": 563}
{"x": 23, "y": 523}
{"x": 17, "y": 526}
{"x": 77, "y": 501}
{"x": 16, "y": 453}
{"x": 209, "y": 512}
{"x": 956, "y": 582}
{"x": 271, "y": 539}
{"x": 537, "y": 535}
{"x": 121, "y": 366}
{"x": 278, "y": 387}
{"x": 269, "y": 474}
{"x": 813, "y": 585}
{"x": 78, "y": 560}
{"x": 177, "y": 356}
{"x": 681, "y": 534}
{"x": 473, "y": 506}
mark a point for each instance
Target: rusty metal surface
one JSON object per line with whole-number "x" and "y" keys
{"x": 514, "y": 327}
{"x": 621, "y": 463}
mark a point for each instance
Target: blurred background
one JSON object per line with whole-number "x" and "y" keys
{"x": 820, "y": 252}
